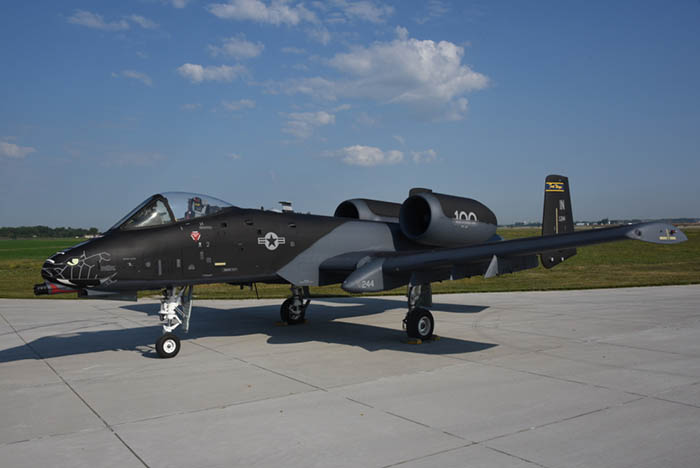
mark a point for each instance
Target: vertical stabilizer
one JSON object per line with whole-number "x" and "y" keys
{"x": 557, "y": 217}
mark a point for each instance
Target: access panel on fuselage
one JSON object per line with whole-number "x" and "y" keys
{"x": 198, "y": 254}
{"x": 264, "y": 242}
{"x": 269, "y": 240}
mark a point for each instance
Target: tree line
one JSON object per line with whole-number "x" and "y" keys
{"x": 45, "y": 231}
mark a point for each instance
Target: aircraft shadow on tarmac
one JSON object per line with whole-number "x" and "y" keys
{"x": 324, "y": 325}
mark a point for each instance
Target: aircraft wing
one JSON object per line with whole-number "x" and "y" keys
{"x": 382, "y": 271}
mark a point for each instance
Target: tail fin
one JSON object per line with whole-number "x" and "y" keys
{"x": 557, "y": 217}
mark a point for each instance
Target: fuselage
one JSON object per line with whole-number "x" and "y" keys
{"x": 234, "y": 245}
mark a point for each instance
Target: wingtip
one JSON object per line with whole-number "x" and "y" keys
{"x": 657, "y": 233}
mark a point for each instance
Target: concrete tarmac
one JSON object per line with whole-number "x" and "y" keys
{"x": 599, "y": 378}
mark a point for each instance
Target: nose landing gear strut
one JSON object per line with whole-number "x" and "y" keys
{"x": 175, "y": 310}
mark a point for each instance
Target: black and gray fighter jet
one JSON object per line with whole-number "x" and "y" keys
{"x": 175, "y": 241}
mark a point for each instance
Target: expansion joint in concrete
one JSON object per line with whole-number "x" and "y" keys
{"x": 75, "y": 392}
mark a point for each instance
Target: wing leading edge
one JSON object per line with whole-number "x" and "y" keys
{"x": 382, "y": 272}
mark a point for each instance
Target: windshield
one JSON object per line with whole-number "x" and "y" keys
{"x": 131, "y": 213}
{"x": 169, "y": 207}
{"x": 154, "y": 213}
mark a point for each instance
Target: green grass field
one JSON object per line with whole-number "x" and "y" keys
{"x": 617, "y": 264}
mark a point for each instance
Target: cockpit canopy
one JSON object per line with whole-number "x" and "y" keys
{"x": 168, "y": 208}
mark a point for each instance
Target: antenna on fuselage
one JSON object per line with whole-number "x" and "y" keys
{"x": 286, "y": 206}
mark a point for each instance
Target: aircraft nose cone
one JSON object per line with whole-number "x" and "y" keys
{"x": 48, "y": 269}
{"x": 54, "y": 266}
{"x": 54, "y": 274}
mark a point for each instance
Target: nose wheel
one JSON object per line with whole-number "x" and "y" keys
{"x": 168, "y": 345}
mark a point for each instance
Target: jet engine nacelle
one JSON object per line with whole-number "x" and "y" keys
{"x": 372, "y": 210}
{"x": 445, "y": 220}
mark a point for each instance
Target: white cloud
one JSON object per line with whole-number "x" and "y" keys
{"x": 238, "y": 105}
{"x": 303, "y": 124}
{"x": 456, "y": 109}
{"x": 367, "y": 156}
{"x": 424, "y": 156}
{"x": 409, "y": 70}
{"x": 237, "y": 47}
{"x": 400, "y": 139}
{"x": 136, "y": 75}
{"x": 295, "y": 13}
{"x": 276, "y": 12}
{"x": 344, "y": 11}
{"x": 426, "y": 75}
{"x": 197, "y": 73}
{"x": 319, "y": 34}
{"x": 135, "y": 158}
{"x": 364, "y": 119}
{"x": 234, "y": 156}
{"x": 293, "y": 50}
{"x": 435, "y": 9}
{"x": 178, "y": 3}
{"x": 145, "y": 23}
{"x": 191, "y": 107}
{"x": 316, "y": 87}
{"x": 11, "y": 150}
{"x": 365, "y": 10}
{"x": 96, "y": 21}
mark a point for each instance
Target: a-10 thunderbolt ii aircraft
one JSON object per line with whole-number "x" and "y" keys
{"x": 177, "y": 240}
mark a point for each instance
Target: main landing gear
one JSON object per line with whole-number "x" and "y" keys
{"x": 419, "y": 322}
{"x": 175, "y": 310}
{"x": 293, "y": 310}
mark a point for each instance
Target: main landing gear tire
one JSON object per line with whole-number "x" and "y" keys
{"x": 292, "y": 314}
{"x": 168, "y": 345}
{"x": 420, "y": 324}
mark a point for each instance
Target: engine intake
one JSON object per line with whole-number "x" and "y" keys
{"x": 444, "y": 220}
{"x": 372, "y": 210}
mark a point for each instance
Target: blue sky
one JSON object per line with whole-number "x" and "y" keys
{"x": 253, "y": 101}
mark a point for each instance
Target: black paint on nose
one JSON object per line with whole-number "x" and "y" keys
{"x": 47, "y": 271}
{"x": 51, "y": 270}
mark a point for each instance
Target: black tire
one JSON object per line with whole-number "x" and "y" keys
{"x": 168, "y": 346}
{"x": 287, "y": 314}
{"x": 420, "y": 324}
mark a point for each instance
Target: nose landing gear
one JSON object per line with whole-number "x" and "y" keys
{"x": 175, "y": 310}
